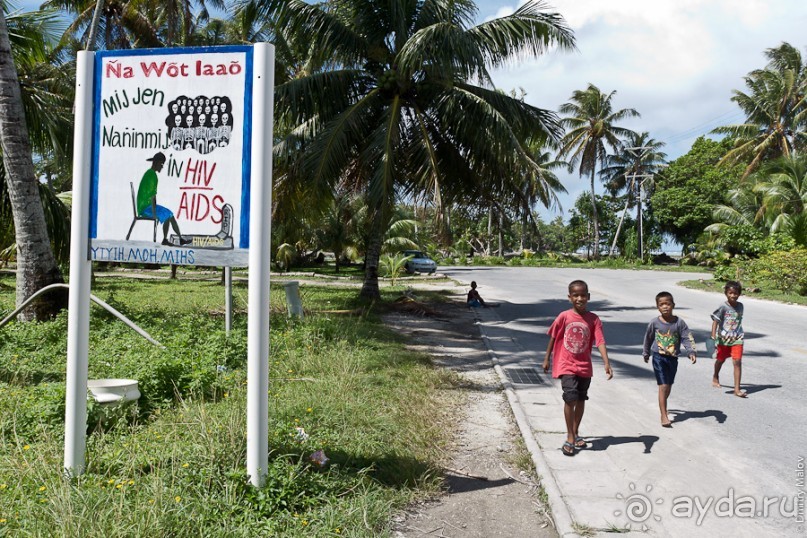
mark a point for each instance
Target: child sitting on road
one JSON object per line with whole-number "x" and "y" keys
{"x": 663, "y": 339}
{"x": 474, "y": 299}
{"x": 571, "y": 337}
{"x": 727, "y": 332}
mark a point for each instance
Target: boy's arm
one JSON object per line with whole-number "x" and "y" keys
{"x": 714, "y": 330}
{"x": 604, "y": 353}
{"x": 548, "y": 353}
{"x": 688, "y": 340}
{"x": 649, "y": 337}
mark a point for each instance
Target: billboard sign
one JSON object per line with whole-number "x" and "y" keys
{"x": 170, "y": 180}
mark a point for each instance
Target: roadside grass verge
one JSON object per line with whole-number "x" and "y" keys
{"x": 173, "y": 465}
{"x": 764, "y": 290}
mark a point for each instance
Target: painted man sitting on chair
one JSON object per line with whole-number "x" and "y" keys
{"x": 147, "y": 201}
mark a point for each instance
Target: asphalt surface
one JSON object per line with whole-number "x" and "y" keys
{"x": 727, "y": 466}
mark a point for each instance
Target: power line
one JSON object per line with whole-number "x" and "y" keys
{"x": 723, "y": 119}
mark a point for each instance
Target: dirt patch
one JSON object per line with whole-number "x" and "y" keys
{"x": 486, "y": 494}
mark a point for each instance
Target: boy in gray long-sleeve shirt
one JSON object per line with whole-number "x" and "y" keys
{"x": 663, "y": 340}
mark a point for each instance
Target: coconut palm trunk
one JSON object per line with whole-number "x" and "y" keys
{"x": 595, "y": 220}
{"x": 36, "y": 264}
{"x": 96, "y": 18}
{"x": 369, "y": 289}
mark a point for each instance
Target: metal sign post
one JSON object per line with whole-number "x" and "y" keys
{"x": 259, "y": 265}
{"x": 78, "y": 315}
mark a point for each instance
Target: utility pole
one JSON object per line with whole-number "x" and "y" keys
{"x": 641, "y": 219}
{"x": 638, "y": 152}
{"x": 631, "y": 183}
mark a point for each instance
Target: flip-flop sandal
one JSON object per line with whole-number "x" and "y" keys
{"x": 666, "y": 424}
{"x": 579, "y": 442}
{"x": 567, "y": 449}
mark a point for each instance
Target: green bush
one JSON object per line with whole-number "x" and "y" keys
{"x": 736, "y": 270}
{"x": 488, "y": 260}
{"x": 786, "y": 270}
{"x": 772, "y": 243}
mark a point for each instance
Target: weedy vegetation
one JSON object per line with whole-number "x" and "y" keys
{"x": 173, "y": 464}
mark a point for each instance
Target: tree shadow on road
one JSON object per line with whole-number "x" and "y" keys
{"x": 462, "y": 484}
{"x": 597, "y": 444}
{"x": 681, "y": 416}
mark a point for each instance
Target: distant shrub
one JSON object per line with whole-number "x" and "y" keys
{"x": 736, "y": 270}
{"x": 786, "y": 270}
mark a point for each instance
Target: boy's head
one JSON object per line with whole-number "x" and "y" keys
{"x": 733, "y": 290}
{"x": 473, "y": 284}
{"x": 578, "y": 295}
{"x": 733, "y": 285}
{"x": 665, "y": 303}
{"x": 664, "y": 295}
{"x": 578, "y": 284}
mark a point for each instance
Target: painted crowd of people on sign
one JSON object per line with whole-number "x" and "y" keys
{"x": 200, "y": 123}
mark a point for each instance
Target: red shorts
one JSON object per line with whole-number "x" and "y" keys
{"x": 724, "y": 352}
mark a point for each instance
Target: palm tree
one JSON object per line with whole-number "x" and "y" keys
{"x": 46, "y": 88}
{"x": 641, "y": 157}
{"x": 775, "y": 109}
{"x": 112, "y": 24}
{"x": 772, "y": 199}
{"x": 178, "y": 20}
{"x": 394, "y": 111}
{"x": 590, "y": 120}
{"x": 783, "y": 185}
{"x": 539, "y": 185}
{"x": 36, "y": 265}
{"x": 336, "y": 229}
{"x": 743, "y": 207}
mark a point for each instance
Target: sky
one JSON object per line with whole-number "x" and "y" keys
{"x": 675, "y": 61}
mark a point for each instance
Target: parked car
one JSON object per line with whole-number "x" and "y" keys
{"x": 420, "y": 262}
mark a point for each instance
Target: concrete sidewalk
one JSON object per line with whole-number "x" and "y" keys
{"x": 635, "y": 476}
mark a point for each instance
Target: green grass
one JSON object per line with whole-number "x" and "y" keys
{"x": 765, "y": 291}
{"x": 174, "y": 465}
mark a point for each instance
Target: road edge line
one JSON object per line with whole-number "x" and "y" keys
{"x": 561, "y": 515}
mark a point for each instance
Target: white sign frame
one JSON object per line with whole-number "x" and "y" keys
{"x": 260, "y": 199}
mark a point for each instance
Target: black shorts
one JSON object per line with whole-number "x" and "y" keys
{"x": 665, "y": 368}
{"x": 575, "y": 388}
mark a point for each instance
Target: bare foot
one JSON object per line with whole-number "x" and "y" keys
{"x": 667, "y": 424}
{"x": 715, "y": 383}
{"x": 740, "y": 393}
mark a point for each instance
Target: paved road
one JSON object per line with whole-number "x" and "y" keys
{"x": 724, "y": 453}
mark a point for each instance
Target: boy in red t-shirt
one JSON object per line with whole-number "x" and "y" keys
{"x": 571, "y": 337}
